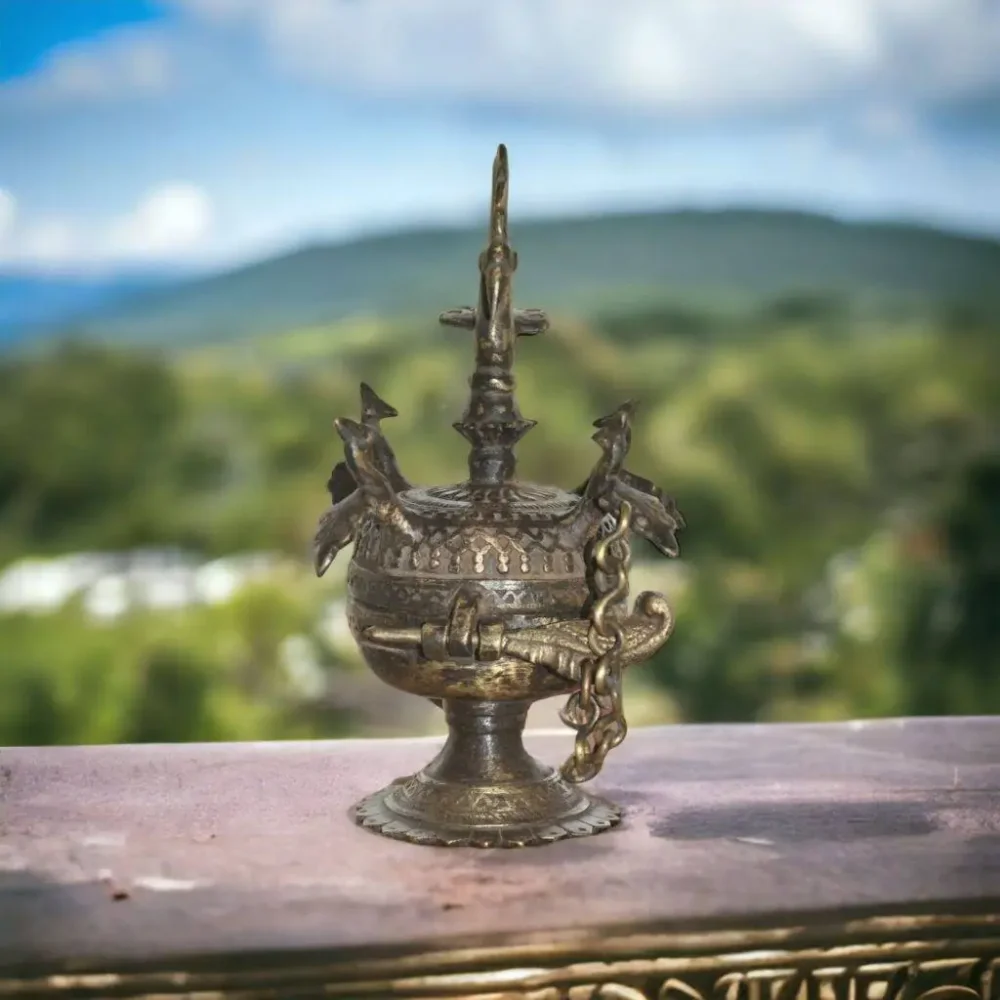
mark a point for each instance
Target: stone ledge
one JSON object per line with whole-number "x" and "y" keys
{"x": 178, "y": 856}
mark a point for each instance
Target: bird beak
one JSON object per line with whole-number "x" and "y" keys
{"x": 347, "y": 429}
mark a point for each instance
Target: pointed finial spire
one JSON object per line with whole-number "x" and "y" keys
{"x": 498, "y": 203}
{"x": 492, "y": 422}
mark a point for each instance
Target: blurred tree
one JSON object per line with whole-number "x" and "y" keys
{"x": 172, "y": 703}
{"x": 85, "y": 434}
{"x": 950, "y": 645}
{"x": 842, "y": 495}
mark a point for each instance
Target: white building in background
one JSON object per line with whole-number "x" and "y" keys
{"x": 109, "y": 584}
{"x": 47, "y": 584}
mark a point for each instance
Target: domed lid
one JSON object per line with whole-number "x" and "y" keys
{"x": 483, "y": 503}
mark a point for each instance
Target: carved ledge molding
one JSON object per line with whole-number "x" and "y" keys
{"x": 914, "y": 957}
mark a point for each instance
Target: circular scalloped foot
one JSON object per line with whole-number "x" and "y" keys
{"x": 514, "y": 815}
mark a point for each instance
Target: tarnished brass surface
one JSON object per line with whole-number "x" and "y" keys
{"x": 490, "y": 594}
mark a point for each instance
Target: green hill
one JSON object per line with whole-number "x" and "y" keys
{"x": 581, "y": 265}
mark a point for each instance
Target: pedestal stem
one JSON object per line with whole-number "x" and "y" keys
{"x": 485, "y": 745}
{"x": 484, "y": 790}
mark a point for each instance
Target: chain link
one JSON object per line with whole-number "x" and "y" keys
{"x": 595, "y": 711}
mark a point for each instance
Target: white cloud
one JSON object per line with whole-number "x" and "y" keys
{"x": 693, "y": 57}
{"x": 170, "y": 225}
{"x": 696, "y": 58}
{"x": 120, "y": 64}
{"x": 47, "y": 242}
{"x": 168, "y": 222}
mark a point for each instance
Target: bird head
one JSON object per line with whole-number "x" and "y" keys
{"x": 373, "y": 408}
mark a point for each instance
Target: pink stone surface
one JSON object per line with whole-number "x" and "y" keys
{"x": 158, "y": 851}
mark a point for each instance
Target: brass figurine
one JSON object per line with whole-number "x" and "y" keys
{"x": 490, "y": 594}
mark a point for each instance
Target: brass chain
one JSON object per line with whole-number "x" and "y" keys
{"x": 595, "y": 711}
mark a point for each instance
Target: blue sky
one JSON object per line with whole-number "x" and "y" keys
{"x": 196, "y": 134}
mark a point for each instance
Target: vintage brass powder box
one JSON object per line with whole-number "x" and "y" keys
{"x": 490, "y": 594}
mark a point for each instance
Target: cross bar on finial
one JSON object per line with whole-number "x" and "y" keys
{"x": 527, "y": 322}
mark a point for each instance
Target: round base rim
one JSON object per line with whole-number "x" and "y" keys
{"x": 374, "y": 813}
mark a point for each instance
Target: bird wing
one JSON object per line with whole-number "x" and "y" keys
{"x": 651, "y": 518}
{"x": 337, "y": 528}
{"x": 388, "y": 465}
{"x": 341, "y": 483}
{"x": 640, "y": 483}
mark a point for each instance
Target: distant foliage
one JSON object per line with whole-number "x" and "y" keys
{"x": 839, "y": 470}
{"x": 86, "y": 440}
{"x": 221, "y": 673}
